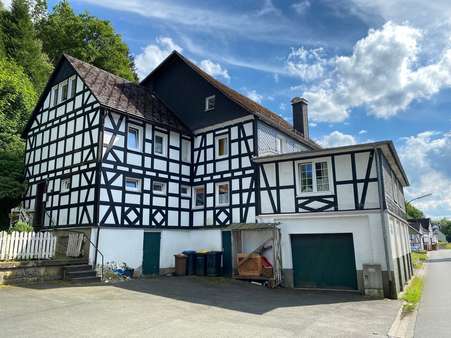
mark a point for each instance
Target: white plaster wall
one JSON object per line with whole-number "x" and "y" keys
{"x": 176, "y": 241}
{"x": 365, "y": 228}
{"x": 120, "y": 245}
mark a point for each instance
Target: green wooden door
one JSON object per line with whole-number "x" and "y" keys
{"x": 151, "y": 253}
{"x": 324, "y": 261}
{"x": 227, "y": 253}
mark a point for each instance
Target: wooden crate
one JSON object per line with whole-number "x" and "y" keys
{"x": 252, "y": 267}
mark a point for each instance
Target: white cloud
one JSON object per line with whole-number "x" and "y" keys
{"x": 253, "y": 95}
{"x": 363, "y": 131}
{"x": 214, "y": 69}
{"x": 382, "y": 74}
{"x": 426, "y": 158}
{"x": 307, "y": 64}
{"x": 301, "y": 7}
{"x": 153, "y": 54}
{"x": 336, "y": 139}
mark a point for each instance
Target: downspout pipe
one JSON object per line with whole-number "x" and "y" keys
{"x": 380, "y": 183}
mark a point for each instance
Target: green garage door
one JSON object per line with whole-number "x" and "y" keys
{"x": 324, "y": 261}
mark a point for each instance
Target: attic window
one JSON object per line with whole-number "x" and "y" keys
{"x": 210, "y": 103}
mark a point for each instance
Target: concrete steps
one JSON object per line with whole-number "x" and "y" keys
{"x": 81, "y": 273}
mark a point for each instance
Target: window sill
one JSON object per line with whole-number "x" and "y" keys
{"x": 316, "y": 193}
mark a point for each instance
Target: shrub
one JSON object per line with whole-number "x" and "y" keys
{"x": 22, "y": 227}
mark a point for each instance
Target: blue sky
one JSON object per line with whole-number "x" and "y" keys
{"x": 371, "y": 70}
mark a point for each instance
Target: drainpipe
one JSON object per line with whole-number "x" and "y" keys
{"x": 380, "y": 183}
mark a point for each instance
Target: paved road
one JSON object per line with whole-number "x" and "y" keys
{"x": 188, "y": 307}
{"x": 434, "y": 313}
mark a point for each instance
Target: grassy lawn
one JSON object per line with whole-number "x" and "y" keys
{"x": 418, "y": 259}
{"x": 412, "y": 295}
{"x": 445, "y": 245}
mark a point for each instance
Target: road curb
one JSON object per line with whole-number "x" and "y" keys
{"x": 404, "y": 324}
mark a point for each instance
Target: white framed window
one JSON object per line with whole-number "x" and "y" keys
{"x": 65, "y": 184}
{"x": 210, "y": 102}
{"x": 314, "y": 177}
{"x": 160, "y": 141}
{"x": 132, "y": 184}
{"x": 73, "y": 86}
{"x": 186, "y": 150}
{"x": 133, "y": 138}
{"x": 199, "y": 196}
{"x": 64, "y": 90}
{"x": 55, "y": 95}
{"x": 222, "y": 146}
{"x": 185, "y": 190}
{"x": 159, "y": 188}
{"x": 279, "y": 147}
{"x": 222, "y": 194}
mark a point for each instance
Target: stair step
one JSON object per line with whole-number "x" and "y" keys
{"x": 85, "y": 279}
{"x": 78, "y": 267}
{"x": 80, "y": 273}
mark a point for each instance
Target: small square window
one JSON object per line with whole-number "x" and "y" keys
{"x": 184, "y": 190}
{"x": 222, "y": 146}
{"x": 222, "y": 193}
{"x": 64, "y": 89}
{"x": 186, "y": 150}
{"x": 159, "y": 144}
{"x": 199, "y": 196}
{"x": 132, "y": 184}
{"x": 159, "y": 188}
{"x": 65, "y": 184}
{"x": 133, "y": 138}
{"x": 210, "y": 103}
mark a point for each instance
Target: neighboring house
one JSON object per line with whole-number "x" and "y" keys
{"x": 424, "y": 227}
{"x": 441, "y": 237}
{"x": 173, "y": 163}
{"x": 416, "y": 237}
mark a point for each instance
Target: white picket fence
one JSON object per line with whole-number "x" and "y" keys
{"x": 27, "y": 245}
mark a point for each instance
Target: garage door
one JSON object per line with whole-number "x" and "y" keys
{"x": 324, "y": 261}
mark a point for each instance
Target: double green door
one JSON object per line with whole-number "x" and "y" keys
{"x": 151, "y": 253}
{"x": 324, "y": 261}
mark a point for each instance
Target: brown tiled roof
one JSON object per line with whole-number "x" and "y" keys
{"x": 120, "y": 94}
{"x": 251, "y": 106}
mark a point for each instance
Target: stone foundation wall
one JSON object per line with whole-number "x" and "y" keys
{"x": 34, "y": 271}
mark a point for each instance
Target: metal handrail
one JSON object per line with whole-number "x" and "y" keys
{"x": 95, "y": 247}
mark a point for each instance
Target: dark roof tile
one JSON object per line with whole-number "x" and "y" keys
{"x": 120, "y": 94}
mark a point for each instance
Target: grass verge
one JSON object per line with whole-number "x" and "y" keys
{"x": 412, "y": 295}
{"x": 444, "y": 245}
{"x": 418, "y": 258}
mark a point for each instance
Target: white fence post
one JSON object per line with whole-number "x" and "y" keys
{"x": 27, "y": 245}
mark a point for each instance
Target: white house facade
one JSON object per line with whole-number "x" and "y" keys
{"x": 168, "y": 165}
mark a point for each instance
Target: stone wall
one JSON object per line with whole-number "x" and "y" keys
{"x": 34, "y": 271}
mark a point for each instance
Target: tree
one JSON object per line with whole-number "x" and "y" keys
{"x": 413, "y": 212}
{"x": 445, "y": 227}
{"x": 22, "y": 44}
{"x": 17, "y": 99}
{"x": 87, "y": 38}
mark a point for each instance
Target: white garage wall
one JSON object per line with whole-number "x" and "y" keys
{"x": 176, "y": 241}
{"x": 365, "y": 228}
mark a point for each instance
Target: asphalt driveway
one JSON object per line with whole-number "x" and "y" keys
{"x": 188, "y": 306}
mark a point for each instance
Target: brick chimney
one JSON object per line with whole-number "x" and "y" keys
{"x": 300, "y": 115}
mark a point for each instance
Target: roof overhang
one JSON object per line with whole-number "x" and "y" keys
{"x": 387, "y": 148}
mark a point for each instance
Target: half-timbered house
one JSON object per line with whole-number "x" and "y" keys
{"x": 149, "y": 170}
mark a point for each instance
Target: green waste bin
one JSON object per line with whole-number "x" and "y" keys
{"x": 201, "y": 264}
{"x": 214, "y": 263}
